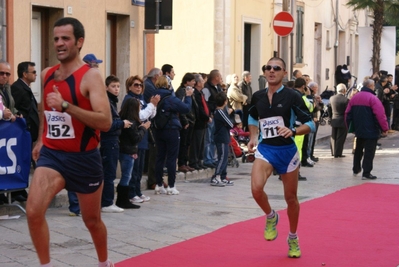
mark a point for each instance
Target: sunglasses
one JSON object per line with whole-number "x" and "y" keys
{"x": 138, "y": 85}
{"x": 275, "y": 68}
{"x": 2, "y": 73}
{"x": 33, "y": 72}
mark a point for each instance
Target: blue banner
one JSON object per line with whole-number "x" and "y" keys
{"x": 15, "y": 154}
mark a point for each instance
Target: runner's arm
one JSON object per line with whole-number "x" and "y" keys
{"x": 253, "y": 126}
{"x": 93, "y": 88}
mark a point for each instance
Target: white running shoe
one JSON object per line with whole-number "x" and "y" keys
{"x": 136, "y": 199}
{"x": 172, "y": 191}
{"x": 217, "y": 182}
{"x": 112, "y": 209}
{"x": 160, "y": 190}
{"x": 145, "y": 198}
{"x": 227, "y": 182}
{"x": 311, "y": 162}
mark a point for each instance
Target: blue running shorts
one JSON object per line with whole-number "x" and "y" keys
{"x": 82, "y": 171}
{"x": 284, "y": 159}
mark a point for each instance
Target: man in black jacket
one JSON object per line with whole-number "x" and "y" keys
{"x": 24, "y": 99}
{"x": 26, "y": 104}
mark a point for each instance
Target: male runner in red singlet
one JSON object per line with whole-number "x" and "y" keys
{"x": 75, "y": 109}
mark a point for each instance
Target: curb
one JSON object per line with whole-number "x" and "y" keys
{"x": 61, "y": 199}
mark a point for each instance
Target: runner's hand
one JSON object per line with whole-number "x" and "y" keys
{"x": 284, "y": 132}
{"x": 36, "y": 150}
{"x": 252, "y": 145}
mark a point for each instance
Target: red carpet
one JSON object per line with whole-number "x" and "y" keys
{"x": 357, "y": 226}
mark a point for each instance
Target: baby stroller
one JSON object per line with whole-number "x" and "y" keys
{"x": 242, "y": 141}
{"x": 235, "y": 151}
{"x": 325, "y": 116}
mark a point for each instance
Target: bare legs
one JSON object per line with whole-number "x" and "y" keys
{"x": 46, "y": 183}
{"x": 261, "y": 171}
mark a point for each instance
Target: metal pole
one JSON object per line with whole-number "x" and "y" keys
{"x": 292, "y": 40}
{"x": 336, "y": 37}
{"x": 284, "y": 40}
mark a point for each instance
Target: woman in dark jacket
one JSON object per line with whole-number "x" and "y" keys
{"x": 134, "y": 88}
{"x": 167, "y": 138}
{"x": 187, "y": 122}
{"x": 128, "y": 141}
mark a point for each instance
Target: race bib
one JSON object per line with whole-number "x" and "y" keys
{"x": 59, "y": 125}
{"x": 268, "y": 126}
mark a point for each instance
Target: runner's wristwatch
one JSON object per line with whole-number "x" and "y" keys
{"x": 293, "y": 131}
{"x": 64, "y": 106}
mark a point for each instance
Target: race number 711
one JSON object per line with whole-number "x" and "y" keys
{"x": 269, "y": 126}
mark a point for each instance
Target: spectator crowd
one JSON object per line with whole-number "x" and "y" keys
{"x": 185, "y": 141}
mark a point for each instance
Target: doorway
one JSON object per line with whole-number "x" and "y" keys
{"x": 42, "y": 55}
{"x": 252, "y": 50}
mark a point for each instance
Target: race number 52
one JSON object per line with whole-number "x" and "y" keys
{"x": 59, "y": 125}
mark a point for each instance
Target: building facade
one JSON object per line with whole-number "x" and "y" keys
{"x": 113, "y": 32}
{"x": 229, "y": 35}
{"x": 238, "y": 35}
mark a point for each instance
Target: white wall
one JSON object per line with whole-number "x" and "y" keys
{"x": 388, "y": 51}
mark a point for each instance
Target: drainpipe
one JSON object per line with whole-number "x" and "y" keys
{"x": 292, "y": 41}
{"x": 336, "y": 37}
{"x": 285, "y": 46}
{"x": 145, "y": 32}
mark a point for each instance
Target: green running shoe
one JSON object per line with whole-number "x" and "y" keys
{"x": 270, "y": 229}
{"x": 294, "y": 251}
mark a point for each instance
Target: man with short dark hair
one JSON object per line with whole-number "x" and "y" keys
{"x": 169, "y": 72}
{"x": 272, "y": 113}
{"x": 24, "y": 99}
{"x": 76, "y": 109}
{"x": 26, "y": 104}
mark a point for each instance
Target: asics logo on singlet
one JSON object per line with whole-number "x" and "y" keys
{"x": 279, "y": 106}
{"x": 271, "y": 122}
{"x": 8, "y": 144}
{"x": 55, "y": 118}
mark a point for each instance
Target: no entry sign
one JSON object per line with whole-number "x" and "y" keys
{"x": 283, "y": 23}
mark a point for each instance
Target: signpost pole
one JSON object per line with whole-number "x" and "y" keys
{"x": 283, "y": 24}
{"x": 284, "y": 43}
